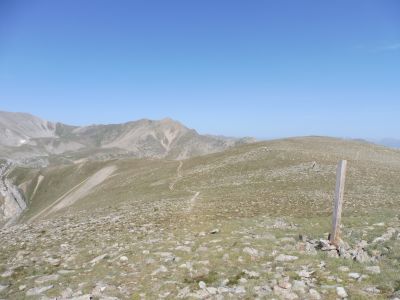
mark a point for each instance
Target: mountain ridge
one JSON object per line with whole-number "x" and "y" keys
{"x": 130, "y": 224}
{"x": 24, "y": 135}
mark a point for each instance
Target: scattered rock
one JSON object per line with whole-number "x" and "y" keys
{"x": 310, "y": 249}
{"x": 299, "y": 286}
{"x": 64, "y": 272}
{"x": 243, "y": 280}
{"x": 87, "y": 297}
{"x": 358, "y": 253}
{"x": 54, "y": 261}
{"x": 183, "y": 248}
{"x": 183, "y": 293}
{"x": 123, "y": 258}
{"x": 7, "y": 273}
{"x": 251, "y": 251}
{"x": 284, "y": 283}
{"x": 386, "y": 236}
{"x": 67, "y": 293}
{"x": 341, "y": 292}
{"x": 282, "y": 224}
{"x": 98, "y": 258}
{"x": 239, "y": 290}
{"x": 47, "y": 278}
{"x": 161, "y": 269}
{"x": 284, "y": 293}
{"x": 343, "y": 269}
{"x": 202, "y": 285}
{"x": 379, "y": 224}
{"x": 251, "y": 274}
{"x": 322, "y": 265}
{"x": 396, "y": 295}
{"x": 262, "y": 291}
{"x": 283, "y": 257}
{"x": 38, "y": 290}
{"x": 373, "y": 269}
{"x": 372, "y": 290}
{"x": 314, "y": 294}
{"x": 3, "y": 287}
{"x": 361, "y": 256}
{"x": 212, "y": 290}
{"x": 354, "y": 275}
{"x": 304, "y": 273}
{"x": 325, "y": 245}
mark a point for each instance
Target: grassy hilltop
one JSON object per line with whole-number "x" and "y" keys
{"x": 209, "y": 226}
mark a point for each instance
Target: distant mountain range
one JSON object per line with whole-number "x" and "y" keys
{"x": 28, "y": 139}
{"x": 389, "y": 142}
{"x": 24, "y": 136}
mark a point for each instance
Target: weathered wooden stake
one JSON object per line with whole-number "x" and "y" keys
{"x": 337, "y": 206}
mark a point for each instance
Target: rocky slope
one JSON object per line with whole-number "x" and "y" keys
{"x": 17, "y": 129}
{"x": 23, "y": 137}
{"x": 30, "y": 141}
{"x": 12, "y": 202}
{"x": 247, "y": 223}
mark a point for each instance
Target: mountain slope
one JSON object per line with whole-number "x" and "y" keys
{"x": 292, "y": 171}
{"x": 17, "y": 129}
{"x": 221, "y": 225}
{"x": 23, "y": 136}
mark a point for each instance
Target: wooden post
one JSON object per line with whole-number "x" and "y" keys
{"x": 337, "y": 206}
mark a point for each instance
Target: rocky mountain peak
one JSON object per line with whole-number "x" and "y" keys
{"x": 25, "y": 135}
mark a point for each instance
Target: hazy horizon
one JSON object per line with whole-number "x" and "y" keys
{"x": 382, "y": 140}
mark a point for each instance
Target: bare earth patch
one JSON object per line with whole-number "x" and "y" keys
{"x": 78, "y": 192}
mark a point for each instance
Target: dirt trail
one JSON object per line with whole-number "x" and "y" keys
{"x": 79, "y": 191}
{"x": 178, "y": 176}
{"x": 39, "y": 181}
{"x": 192, "y": 202}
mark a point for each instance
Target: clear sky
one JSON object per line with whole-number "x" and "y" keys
{"x": 240, "y": 68}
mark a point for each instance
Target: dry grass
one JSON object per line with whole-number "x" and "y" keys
{"x": 243, "y": 191}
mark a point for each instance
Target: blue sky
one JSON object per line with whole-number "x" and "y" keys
{"x": 241, "y": 68}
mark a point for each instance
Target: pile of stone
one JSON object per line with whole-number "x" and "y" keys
{"x": 343, "y": 250}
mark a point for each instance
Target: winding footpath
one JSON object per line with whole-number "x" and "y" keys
{"x": 192, "y": 200}
{"x": 178, "y": 176}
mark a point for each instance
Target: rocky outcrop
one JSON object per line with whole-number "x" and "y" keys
{"x": 18, "y": 129}
{"x": 357, "y": 253}
{"x": 12, "y": 202}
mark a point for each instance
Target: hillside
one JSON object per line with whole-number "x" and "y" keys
{"x": 17, "y": 129}
{"x": 29, "y": 139}
{"x": 219, "y": 225}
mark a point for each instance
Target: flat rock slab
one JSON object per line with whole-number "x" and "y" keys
{"x": 38, "y": 290}
{"x": 47, "y": 278}
{"x": 283, "y": 257}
